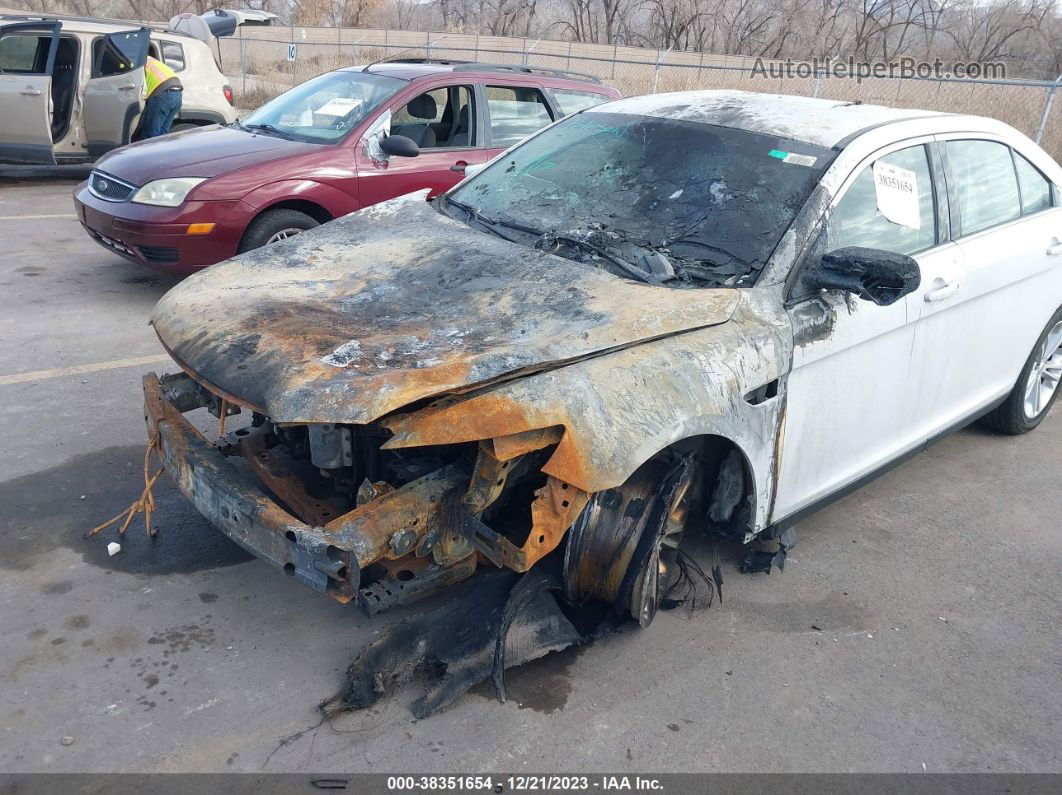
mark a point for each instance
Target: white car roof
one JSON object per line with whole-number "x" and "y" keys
{"x": 823, "y": 122}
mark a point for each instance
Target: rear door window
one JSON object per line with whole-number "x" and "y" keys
{"x": 515, "y": 112}
{"x": 118, "y": 53}
{"x": 570, "y": 101}
{"x": 986, "y": 185}
{"x": 172, "y": 55}
{"x": 1034, "y": 187}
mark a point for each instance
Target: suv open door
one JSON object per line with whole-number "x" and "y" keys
{"x": 27, "y": 59}
{"x": 113, "y": 94}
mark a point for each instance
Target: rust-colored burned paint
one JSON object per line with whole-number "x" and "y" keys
{"x": 515, "y": 445}
{"x": 619, "y": 410}
{"x": 369, "y": 313}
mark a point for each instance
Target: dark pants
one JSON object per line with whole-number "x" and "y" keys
{"x": 160, "y": 110}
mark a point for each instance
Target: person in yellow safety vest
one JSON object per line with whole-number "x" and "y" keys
{"x": 163, "y": 90}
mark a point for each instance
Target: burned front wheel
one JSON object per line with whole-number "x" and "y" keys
{"x": 624, "y": 547}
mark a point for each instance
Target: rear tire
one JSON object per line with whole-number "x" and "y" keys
{"x": 1037, "y": 387}
{"x": 273, "y": 226}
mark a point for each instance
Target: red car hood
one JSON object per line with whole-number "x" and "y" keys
{"x": 205, "y": 152}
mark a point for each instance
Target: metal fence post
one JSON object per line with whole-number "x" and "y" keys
{"x": 294, "y": 63}
{"x": 656, "y": 72}
{"x": 243, "y": 63}
{"x": 477, "y": 47}
{"x": 818, "y": 83}
{"x": 427, "y": 46}
{"x": 1047, "y": 108}
{"x": 615, "y": 56}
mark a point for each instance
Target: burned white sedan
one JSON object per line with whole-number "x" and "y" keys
{"x": 707, "y": 311}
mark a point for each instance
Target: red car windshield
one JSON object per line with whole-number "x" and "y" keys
{"x": 324, "y": 109}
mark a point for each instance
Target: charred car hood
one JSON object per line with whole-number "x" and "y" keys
{"x": 397, "y": 303}
{"x": 206, "y": 152}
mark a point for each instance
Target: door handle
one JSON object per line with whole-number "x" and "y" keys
{"x": 1055, "y": 248}
{"x": 459, "y": 166}
{"x": 126, "y": 87}
{"x": 31, "y": 92}
{"x": 941, "y": 290}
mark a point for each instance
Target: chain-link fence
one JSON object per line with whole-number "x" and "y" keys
{"x": 262, "y": 62}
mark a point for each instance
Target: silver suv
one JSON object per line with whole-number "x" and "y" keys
{"x": 70, "y": 87}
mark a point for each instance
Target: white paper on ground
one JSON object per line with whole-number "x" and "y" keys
{"x": 897, "y": 193}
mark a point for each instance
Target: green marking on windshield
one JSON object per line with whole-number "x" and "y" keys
{"x": 541, "y": 163}
{"x": 586, "y": 123}
{"x": 778, "y": 153}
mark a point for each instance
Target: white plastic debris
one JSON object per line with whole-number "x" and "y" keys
{"x": 114, "y": 548}
{"x": 66, "y": 741}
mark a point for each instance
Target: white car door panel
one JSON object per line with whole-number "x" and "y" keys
{"x": 846, "y": 405}
{"x": 849, "y": 404}
{"x": 972, "y": 339}
{"x": 113, "y": 95}
{"x": 27, "y": 52}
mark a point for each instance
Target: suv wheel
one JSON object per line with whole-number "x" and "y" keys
{"x": 1037, "y": 387}
{"x": 274, "y": 225}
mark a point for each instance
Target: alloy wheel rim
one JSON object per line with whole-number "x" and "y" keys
{"x": 283, "y": 234}
{"x": 1046, "y": 374}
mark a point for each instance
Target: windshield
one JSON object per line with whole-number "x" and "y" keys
{"x": 671, "y": 202}
{"x": 324, "y": 109}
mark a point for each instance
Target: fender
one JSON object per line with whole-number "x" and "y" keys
{"x": 619, "y": 409}
{"x": 335, "y": 201}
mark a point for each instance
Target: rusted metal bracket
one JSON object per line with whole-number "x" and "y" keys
{"x": 410, "y": 580}
{"x": 488, "y": 479}
{"x": 555, "y": 508}
{"x": 271, "y": 468}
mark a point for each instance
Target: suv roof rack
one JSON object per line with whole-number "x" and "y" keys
{"x": 477, "y": 66}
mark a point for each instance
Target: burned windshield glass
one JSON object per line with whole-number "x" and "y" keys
{"x": 669, "y": 202}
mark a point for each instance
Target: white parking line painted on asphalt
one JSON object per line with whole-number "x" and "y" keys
{"x": 35, "y": 217}
{"x": 78, "y": 369}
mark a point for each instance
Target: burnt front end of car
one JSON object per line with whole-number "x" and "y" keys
{"x": 331, "y": 506}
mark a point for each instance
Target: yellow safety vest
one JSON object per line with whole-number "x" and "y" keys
{"x": 155, "y": 74}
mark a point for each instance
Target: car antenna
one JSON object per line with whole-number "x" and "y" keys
{"x": 403, "y": 52}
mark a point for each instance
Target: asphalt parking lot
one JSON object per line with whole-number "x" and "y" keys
{"x": 915, "y": 627}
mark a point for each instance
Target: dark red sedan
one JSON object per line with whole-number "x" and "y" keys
{"x": 332, "y": 145}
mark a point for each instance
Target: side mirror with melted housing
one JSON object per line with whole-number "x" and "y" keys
{"x": 872, "y": 274}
